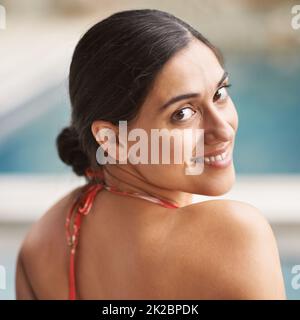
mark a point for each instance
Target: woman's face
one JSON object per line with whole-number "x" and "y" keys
{"x": 192, "y": 70}
{"x": 196, "y": 75}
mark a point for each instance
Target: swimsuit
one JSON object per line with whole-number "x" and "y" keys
{"x": 82, "y": 206}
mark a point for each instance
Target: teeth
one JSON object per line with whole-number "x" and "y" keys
{"x": 206, "y": 159}
{"x": 218, "y": 157}
{"x": 211, "y": 159}
{"x": 223, "y": 155}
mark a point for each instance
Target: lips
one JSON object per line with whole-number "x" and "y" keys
{"x": 216, "y": 152}
{"x": 217, "y": 158}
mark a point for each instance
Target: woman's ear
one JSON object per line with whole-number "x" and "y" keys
{"x": 107, "y": 137}
{"x": 100, "y": 130}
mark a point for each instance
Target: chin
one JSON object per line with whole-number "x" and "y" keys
{"x": 219, "y": 185}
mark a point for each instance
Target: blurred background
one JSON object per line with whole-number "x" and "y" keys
{"x": 262, "y": 55}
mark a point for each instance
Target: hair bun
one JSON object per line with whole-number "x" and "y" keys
{"x": 70, "y": 152}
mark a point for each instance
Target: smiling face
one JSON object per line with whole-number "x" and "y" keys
{"x": 196, "y": 76}
{"x": 190, "y": 92}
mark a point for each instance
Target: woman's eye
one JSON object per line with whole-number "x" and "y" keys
{"x": 183, "y": 114}
{"x": 221, "y": 94}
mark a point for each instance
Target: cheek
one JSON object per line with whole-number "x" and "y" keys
{"x": 232, "y": 116}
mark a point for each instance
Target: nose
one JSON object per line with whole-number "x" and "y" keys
{"x": 217, "y": 128}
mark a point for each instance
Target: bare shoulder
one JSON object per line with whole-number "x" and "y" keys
{"x": 43, "y": 243}
{"x": 230, "y": 251}
{"x": 229, "y": 215}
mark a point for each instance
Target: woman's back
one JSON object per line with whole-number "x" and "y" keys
{"x": 133, "y": 249}
{"x": 122, "y": 249}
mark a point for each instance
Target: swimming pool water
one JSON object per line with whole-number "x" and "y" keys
{"x": 266, "y": 92}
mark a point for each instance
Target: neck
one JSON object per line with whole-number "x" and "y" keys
{"x": 126, "y": 179}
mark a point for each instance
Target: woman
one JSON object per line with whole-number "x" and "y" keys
{"x": 140, "y": 235}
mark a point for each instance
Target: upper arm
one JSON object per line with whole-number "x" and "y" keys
{"x": 254, "y": 257}
{"x": 24, "y": 290}
{"x": 242, "y": 260}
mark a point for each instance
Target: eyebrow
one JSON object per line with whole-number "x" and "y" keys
{"x": 189, "y": 95}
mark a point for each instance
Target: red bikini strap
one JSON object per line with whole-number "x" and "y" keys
{"x": 81, "y": 207}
